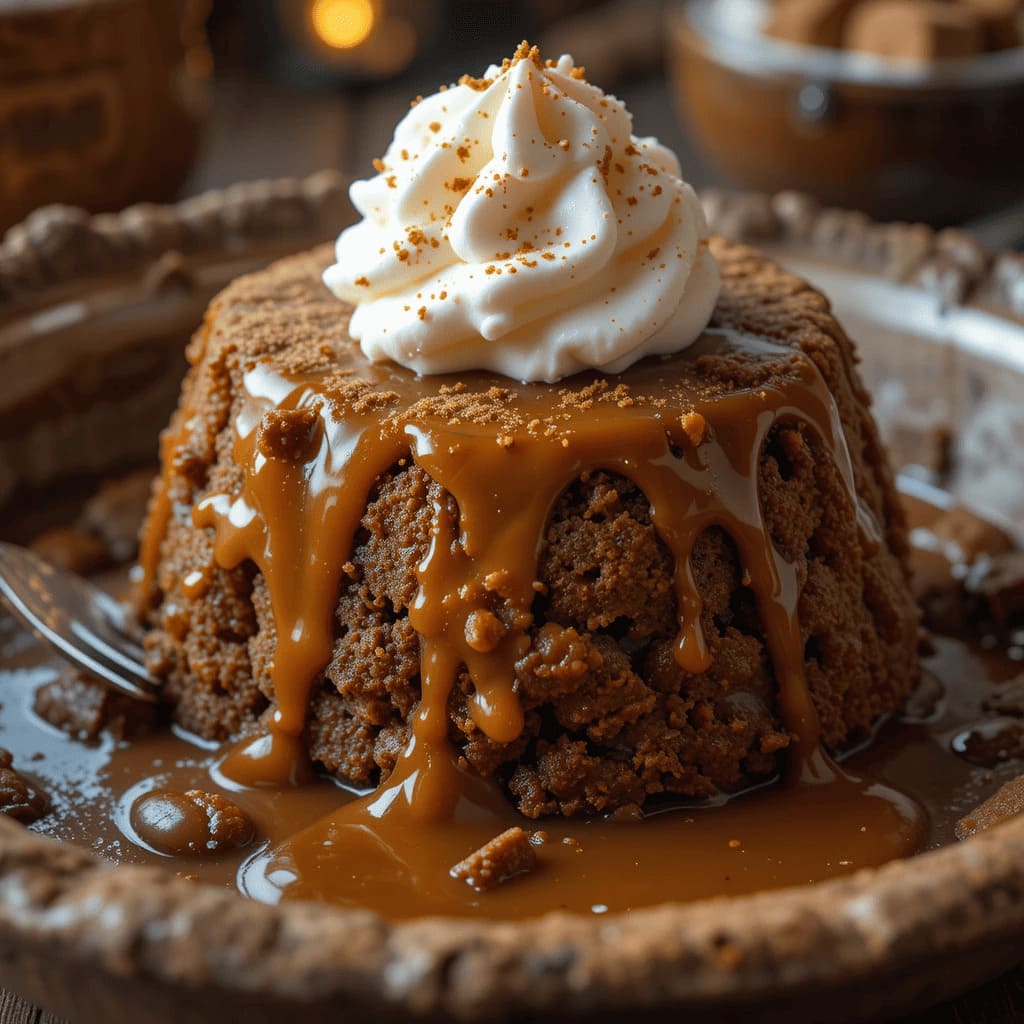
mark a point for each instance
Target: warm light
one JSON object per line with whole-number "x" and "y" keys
{"x": 342, "y": 24}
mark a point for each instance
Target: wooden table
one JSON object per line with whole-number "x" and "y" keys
{"x": 259, "y": 130}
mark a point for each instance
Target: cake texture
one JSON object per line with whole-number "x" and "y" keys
{"x": 611, "y": 716}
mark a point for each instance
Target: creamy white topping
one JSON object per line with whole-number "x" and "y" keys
{"x": 517, "y": 225}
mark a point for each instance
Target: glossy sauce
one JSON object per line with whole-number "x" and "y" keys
{"x": 296, "y": 518}
{"x": 324, "y": 843}
{"x": 774, "y": 836}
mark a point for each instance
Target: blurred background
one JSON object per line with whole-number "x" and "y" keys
{"x": 305, "y": 84}
{"x": 108, "y": 102}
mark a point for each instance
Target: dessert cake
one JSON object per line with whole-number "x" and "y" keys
{"x": 538, "y": 501}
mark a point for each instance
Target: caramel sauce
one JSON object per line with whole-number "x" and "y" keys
{"x": 694, "y": 451}
{"x": 774, "y": 836}
{"x": 297, "y": 514}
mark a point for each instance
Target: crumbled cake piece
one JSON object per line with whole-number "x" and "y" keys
{"x": 195, "y": 823}
{"x": 1008, "y": 698}
{"x": 228, "y": 826}
{"x": 106, "y": 531}
{"x": 969, "y": 535}
{"x": 85, "y": 708}
{"x": 506, "y": 855}
{"x": 114, "y": 513}
{"x": 289, "y": 433}
{"x": 959, "y": 539}
{"x": 998, "y": 582}
{"x": 19, "y": 799}
{"x": 990, "y": 742}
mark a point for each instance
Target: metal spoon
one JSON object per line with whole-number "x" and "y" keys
{"x": 86, "y": 625}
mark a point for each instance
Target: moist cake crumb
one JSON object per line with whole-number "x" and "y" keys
{"x": 85, "y": 708}
{"x": 970, "y": 536}
{"x": 113, "y": 514}
{"x": 1008, "y": 698}
{"x": 998, "y": 583}
{"x": 195, "y": 823}
{"x": 506, "y": 855}
{"x": 289, "y": 434}
{"x": 19, "y": 799}
{"x": 228, "y": 825}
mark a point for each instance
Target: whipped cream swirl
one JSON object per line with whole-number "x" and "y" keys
{"x": 516, "y": 225}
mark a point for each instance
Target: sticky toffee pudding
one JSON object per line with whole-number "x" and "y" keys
{"x": 588, "y": 531}
{"x": 494, "y": 568}
{"x": 597, "y": 647}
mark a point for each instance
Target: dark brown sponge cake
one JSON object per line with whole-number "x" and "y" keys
{"x": 610, "y": 716}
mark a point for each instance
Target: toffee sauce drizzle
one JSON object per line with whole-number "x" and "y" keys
{"x": 296, "y": 520}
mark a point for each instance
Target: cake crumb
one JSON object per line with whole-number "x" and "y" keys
{"x": 18, "y": 799}
{"x": 998, "y": 583}
{"x": 195, "y": 823}
{"x": 86, "y": 709}
{"x": 1006, "y": 803}
{"x": 1007, "y": 698}
{"x": 229, "y": 826}
{"x": 115, "y": 513}
{"x": 72, "y": 549}
{"x": 484, "y": 630}
{"x": 970, "y": 536}
{"x": 292, "y": 435}
{"x": 504, "y": 857}
{"x": 695, "y": 427}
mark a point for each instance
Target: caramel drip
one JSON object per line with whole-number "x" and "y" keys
{"x": 161, "y": 508}
{"x": 297, "y": 519}
{"x": 321, "y": 843}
